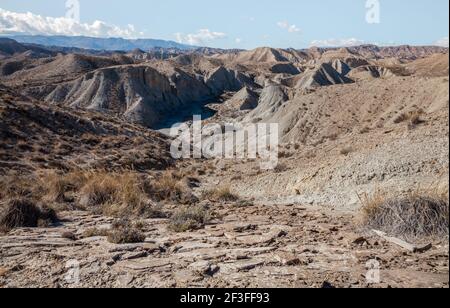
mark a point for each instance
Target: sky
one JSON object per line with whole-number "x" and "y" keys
{"x": 242, "y": 24}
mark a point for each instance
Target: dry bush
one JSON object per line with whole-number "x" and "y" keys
{"x": 100, "y": 189}
{"x": 19, "y": 186}
{"x": 90, "y": 139}
{"x": 24, "y": 213}
{"x": 111, "y": 193}
{"x": 170, "y": 186}
{"x": 167, "y": 185}
{"x": 56, "y": 185}
{"x": 346, "y": 151}
{"x": 285, "y": 154}
{"x": 24, "y": 146}
{"x": 222, "y": 193}
{"x": 189, "y": 218}
{"x": 125, "y": 232}
{"x": 280, "y": 168}
{"x": 414, "y": 118}
{"x": 69, "y": 236}
{"x": 93, "y": 232}
{"x": 364, "y": 130}
{"x": 332, "y": 137}
{"x": 423, "y": 213}
{"x": 116, "y": 194}
{"x": 243, "y": 204}
{"x": 48, "y": 186}
{"x": 401, "y": 118}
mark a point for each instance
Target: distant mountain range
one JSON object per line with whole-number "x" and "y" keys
{"x": 92, "y": 43}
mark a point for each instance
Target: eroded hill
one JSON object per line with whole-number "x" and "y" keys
{"x": 146, "y": 90}
{"x": 363, "y": 141}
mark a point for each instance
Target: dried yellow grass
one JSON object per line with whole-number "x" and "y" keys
{"x": 222, "y": 193}
{"x": 423, "y": 212}
{"x": 57, "y": 184}
{"x": 114, "y": 193}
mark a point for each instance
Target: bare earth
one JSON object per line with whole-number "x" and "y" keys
{"x": 259, "y": 246}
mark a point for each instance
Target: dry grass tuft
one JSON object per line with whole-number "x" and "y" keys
{"x": 171, "y": 186}
{"x": 189, "y": 218}
{"x": 346, "y": 151}
{"x": 280, "y": 168}
{"x": 424, "y": 213}
{"x": 401, "y": 118}
{"x": 222, "y": 193}
{"x": 19, "y": 186}
{"x": 57, "y": 185}
{"x": 93, "y": 232}
{"x": 364, "y": 130}
{"x": 122, "y": 231}
{"x": 69, "y": 236}
{"x": 125, "y": 232}
{"x": 413, "y": 118}
{"x": 116, "y": 194}
{"x": 24, "y": 213}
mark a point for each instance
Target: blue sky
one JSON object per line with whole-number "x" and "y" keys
{"x": 246, "y": 23}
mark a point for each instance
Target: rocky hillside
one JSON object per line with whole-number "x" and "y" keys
{"x": 10, "y": 47}
{"x": 85, "y": 176}
{"x": 36, "y": 136}
{"x": 145, "y": 89}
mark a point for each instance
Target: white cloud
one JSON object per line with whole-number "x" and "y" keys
{"x": 290, "y": 28}
{"x": 202, "y": 37}
{"x": 337, "y": 42}
{"x": 32, "y": 24}
{"x": 443, "y": 42}
{"x": 238, "y": 40}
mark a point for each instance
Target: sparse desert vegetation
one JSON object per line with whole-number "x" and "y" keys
{"x": 125, "y": 232}
{"x": 221, "y": 193}
{"x": 122, "y": 231}
{"x": 281, "y": 167}
{"x": 92, "y": 232}
{"x": 189, "y": 218}
{"x": 346, "y": 151}
{"x": 419, "y": 214}
{"x": 117, "y": 194}
{"x": 87, "y": 174}
{"x": 171, "y": 185}
{"x": 21, "y": 213}
{"x": 413, "y": 118}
